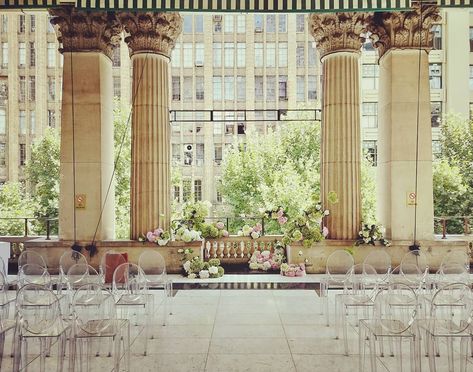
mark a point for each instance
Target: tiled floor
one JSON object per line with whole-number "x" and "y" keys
{"x": 240, "y": 330}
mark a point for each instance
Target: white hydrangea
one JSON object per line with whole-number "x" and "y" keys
{"x": 204, "y": 274}
{"x": 187, "y": 266}
{"x": 213, "y": 270}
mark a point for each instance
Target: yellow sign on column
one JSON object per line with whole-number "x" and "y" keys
{"x": 80, "y": 201}
{"x": 411, "y": 198}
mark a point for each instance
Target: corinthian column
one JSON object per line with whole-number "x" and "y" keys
{"x": 151, "y": 40}
{"x": 403, "y": 40}
{"x": 338, "y": 40}
{"x": 87, "y": 39}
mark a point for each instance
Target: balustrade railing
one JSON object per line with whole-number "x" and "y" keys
{"x": 43, "y": 226}
{"x": 460, "y": 224}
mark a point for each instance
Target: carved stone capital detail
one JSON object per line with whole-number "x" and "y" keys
{"x": 337, "y": 32}
{"x": 403, "y": 30}
{"x": 150, "y": 31}
{"x": 81, "y": 30}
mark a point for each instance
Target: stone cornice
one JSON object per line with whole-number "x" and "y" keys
{"x": 85, "y": 30}
{"x": 150, "y": 31}
{"x": 403, "y": 30}
{"x": 337, "y": 32}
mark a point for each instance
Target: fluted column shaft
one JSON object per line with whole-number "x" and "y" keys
{"x": 150, "y": 156}
{"x": 340, "y": 148}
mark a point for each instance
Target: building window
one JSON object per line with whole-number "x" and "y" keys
{"x": 300, "y": 88}
{"x": 176, "y": 153}
{"x": 300, "y": 23}
{"x": 51, "y": 88}
{"x": 218, "y": 128}
{"x": 198, "y": 23}
{"x": 32, "y": 122}
{"x": 187, "y": 89}
{"x": 4, "y": 55}
{"x": 217, "y": 19}
{"x": 311, "y": 54}
{"x": 217, "y": 47}
{"x": 187, "y": 54}
{"x": 312, "y": 87}
{"x": 229, "y": 88}
{"x": 176, "y": 88}
{"x": 282, "y": 54}
{"x": 4, "y": 23}
{"x": 177, "y": 194}
{"x": 187, "y": 24}
{"x": 271, "y": 88}
{"x": 21, "y": 54}
{"x": 437, "y": 37}
{"x": 217, "y": 88}
{"x": 198, "y": 190}
{"x": 50, "y": 26}
{"x": 282, "y": 27}
{"x": 282, "y": 87}
{"x": 435, "y": 113}
{"x": 22, "y": 154}
{"x": 3, "y": 121}
{"x": 241, "y": 54}
{"x": 370, "y": 76}
{"x": 259, "y": 88}
{"x": 21, "y": 23}
{"x": 228, "y": 23}
{"x": 259, "y": 55}
{"x": 199, "y": 54}
{"x": 199, "y": 88}
{"x": 229, "y": 51}
{"x": 436, "y": 149}
{"x": 435, "y": 76}
{"x": 186, "y": 189}
{"x": 188, "y": 154}
{"x": 199, "y": 154}
{"x": 32, "y": 23}
{"x": 241, "y": 88}
{"x": 32, "y": 55}
{"x": 116, "y": 57}
{"x": 51, "y": 119}
{"x": 32, "y": 89}
{"x": 22, "y": 122}
{"x": 241, "y": 23}
{"x": 3, "y": 153}
{"x": 271, "y": 23}
{"x": 22, "y": 90}
{"x": 218, "y": 154}
{"x": 51, "y": 55}
{"x": 117, "y": 91}
{"x": 368, "y": 45}
{"x": 471, "y": 39}
{"x": 369, "y": 115}
{"x": 300, "y": 55}
{"x": 176, "y": 56}
{"x": 471, "y": 77}
{"x": 370, "y": 151}
{"x": 258, "y": 23}
{"x": 270, "y": 55}
{"x": 219, "y": 198}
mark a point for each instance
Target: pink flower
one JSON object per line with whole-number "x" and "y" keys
{"x": 258, "y": 227}
{"x": 290, "y": 273}
{"x": 225, "y": 233}
{"x": 158, "y": 231}
{"x": 280, "y": 212}
{"x": 300, "y": 273}
{"x": 219, "y": 225}
{"x": 325, "y": 231}
{"x": 150, "y": 236}
{"x": 282, "y": 220}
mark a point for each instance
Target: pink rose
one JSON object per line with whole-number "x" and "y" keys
{"x": 325, "y": 231}
{"x": 219, "y": 225}
{"x": 225, "y": 233}
{"x": 150, "y": 236}
{"x": 158, "y": 231}
{"x": 300, "y": 273}
{"x": 280, "y": 213}
{"x": 258, "y": 227}
{"x": 282, "y": 220}
{"x": 290, "y": 273}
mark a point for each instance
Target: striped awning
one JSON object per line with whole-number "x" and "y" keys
{"x": 231, "y": 5}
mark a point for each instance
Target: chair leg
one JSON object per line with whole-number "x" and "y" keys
{"x": 450, "y": 354}
{"x": 361, "y": 347}
{"x": 372, "y": 341}
{"x": 2, "y": 345}
{"x": 431, "y": 343}
{"x": 116, "y": 356}
{"x": 463, "y": 354}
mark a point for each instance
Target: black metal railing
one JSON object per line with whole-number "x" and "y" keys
{"x": 453, "y": 225}
{"x": 42, "y": 226}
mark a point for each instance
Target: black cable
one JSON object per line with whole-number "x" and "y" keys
{"x": 92, "y": 245}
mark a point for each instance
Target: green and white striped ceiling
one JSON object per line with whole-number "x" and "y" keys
{"x": 231, "y": 5}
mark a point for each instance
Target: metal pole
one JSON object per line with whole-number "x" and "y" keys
{"x": 48, "y": 227}
{"x": 444, "y": 228}
{"x": 26, "y": 226}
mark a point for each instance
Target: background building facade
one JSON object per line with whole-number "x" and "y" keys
{"x": 239, "y": 70}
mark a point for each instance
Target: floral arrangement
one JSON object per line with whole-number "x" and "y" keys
{"x": 195, "y": 267}
{"x": 194, "y": 213}
{"x": 183, "y": 233}
{"x": 371, "y": 234}
{"x": 275, "y": 213}
{"x": 293, "y": 269}
{"x": 214, "y": 230}
{"x": 266, "y": 260}
{"x": 253, "y": 232}
{"x": 158, "y": 236}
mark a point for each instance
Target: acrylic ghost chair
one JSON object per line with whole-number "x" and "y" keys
{"x": 109, "y": 262}
{"x": 338, "y": 271}
{"x": 395, "y": 310}
{"x": 39, "y": 317}
{"x": 130, "y": 290}
{"x": 95, "y": 319}
{"x": 6, "y": 324}
{"x": 380, "y": 261}
{"x": 68, "y": 259}
{"x": 413, "y": 270}
{"x": 31, "y": 257}
{"x": 154, "y": 269}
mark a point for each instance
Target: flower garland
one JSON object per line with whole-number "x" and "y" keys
{"x": 293, "y": 269}
{"x": 158, "y": 236}
{"x": 194, "y": 267}
{"x": 266, "y": 260}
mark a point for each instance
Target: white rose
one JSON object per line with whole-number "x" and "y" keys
{"x": 300, "y": 253}
{"x": 255, "y": 235}
{"x": 195, "y": 235}
{"x": 192, "y": 276}
{"x": 266, "y": 265}
{"x": 253, "y": 266}
{"x": 187, "y": 266}
{"x": 187, "y": 236}
{"x": 326, "y": 212}
{"x": 213, "y": 270}
{"x": 265, "y": 253}
{"x": 204, "y": 274}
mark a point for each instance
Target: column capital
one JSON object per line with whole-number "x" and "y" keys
{"x": 337, "y": 32}
{"x": 86, "y": 31}
{"x": 404, "y": 30}
{"x": 151, "y": 31}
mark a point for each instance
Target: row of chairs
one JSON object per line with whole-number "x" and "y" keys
{"x": 83, "y": 307}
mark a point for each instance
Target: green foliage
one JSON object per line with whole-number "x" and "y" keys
{"x": 368, "y": 192}
{"x": 14, "y": 202}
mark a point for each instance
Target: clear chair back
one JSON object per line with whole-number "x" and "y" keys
{"x": 32, "y": 273}
{"x": 456, "y": 258}
{"x": 380, "y": 260}
{"x": 4, "y": 300}
{"x": 153, "y": 265}
{"x": 130, "y": 278}
{"x": 70, "y": 258}
{"x": 339, "y": 263}
{"x": 81, "y": 274}
{"x": 31, "y": 257}
{"x": 3, "y": 267}
{"x": 109, "y": 262}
